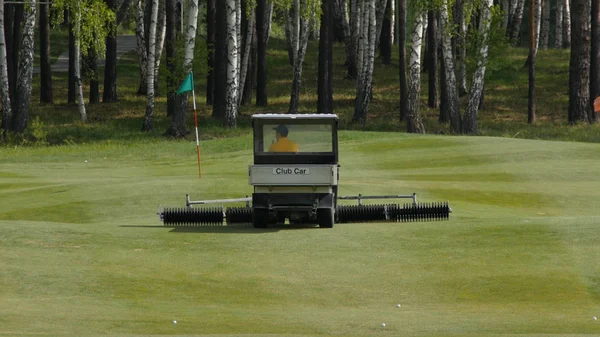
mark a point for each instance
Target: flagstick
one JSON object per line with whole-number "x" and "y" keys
{"x": 196, "y": 120}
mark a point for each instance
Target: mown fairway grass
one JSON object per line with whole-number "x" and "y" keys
{"x": 83, "y": 252}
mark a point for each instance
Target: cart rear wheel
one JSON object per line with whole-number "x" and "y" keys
{"x": 260, "y": 218}
{"x": 325, "y": 217}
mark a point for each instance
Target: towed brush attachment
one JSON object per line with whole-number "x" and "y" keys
{"x": 393, "y": 212}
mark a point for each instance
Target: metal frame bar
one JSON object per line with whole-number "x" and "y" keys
{"x": 361, "y": 197}
{"x": 189, "y": 203}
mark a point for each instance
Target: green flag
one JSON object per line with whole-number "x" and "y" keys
{"x": 187, "y": 85}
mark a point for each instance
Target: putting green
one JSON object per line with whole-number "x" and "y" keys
{"x": 83, "y": 252}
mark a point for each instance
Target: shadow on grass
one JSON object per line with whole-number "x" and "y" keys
{"x": 229, "y": 229}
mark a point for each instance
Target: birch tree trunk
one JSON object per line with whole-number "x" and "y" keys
{"x": 470, "y": 118}
{"x": 231, "y": 108}
{"x": 532, "y": 54}
{"x": 559, "y": 26}
{"x": 505, "y": 5}
{"x": 77, "y": 72}
{"x": 142, "y": 51}
{"x": 46, "y": 92}
{"x": 579, "y": 64}
{"x": 379, "y": 13}
{"x": 402, "y": 58}
{"x": 246, "y": 52}
{"x": 262, "y": 31}
{"x": 269, "y": 15}
{"x": 516, "y": 23}
{"x": 325, "y": 70}
{"x": 148, "y": 124}
{"x": 366, "y": 62}
{"x": 161, "y": 31}
{"x": 545, "y": 32}
{"x": 238, "y": 31}
{"x": 567, "y": 24}
{"x": 453, "y": 101}
{"x": 304, "y": 32}
{"x": 25, "y": 72}
{"x": 294, "y": 28}
{"x": 4, "y": 90}
{"x": 432, "y": 59}
{"x": 413, "y": 116}
{"x": 352, "y": 48}
{"x": 461, "y": 47}
{"x": 211, "y": 12}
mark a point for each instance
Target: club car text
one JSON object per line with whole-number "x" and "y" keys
{"x": 290, "y": 171}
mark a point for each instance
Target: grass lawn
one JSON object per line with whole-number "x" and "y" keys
{"x": 83, "y": 252}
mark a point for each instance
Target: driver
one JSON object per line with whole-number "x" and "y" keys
{"x": 283, "y": 144}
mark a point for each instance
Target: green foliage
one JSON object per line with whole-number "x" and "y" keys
{"x": 39, "y": 131}
{"x": 95, "y": 20}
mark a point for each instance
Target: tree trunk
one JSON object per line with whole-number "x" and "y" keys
{"x": 92, "y": 60}
{"x": 171, "y": 62}
{"x": 46, "y": 94}
{"x": 516, "y": 22}
{"x": 219, "y": 96}
{"x": 432, "y": 59}
{"x": 8, "y": 36}
{"x": 77, "y": 68}
{"x": 148, "y": 124}
{"x": 72, "y": 89}
{"x": 559, "y": 26}
{"x": 142, "y": 50}
{"x": 304, "y": 32}
{"x": 461, "y": 47}
{"x": 380, "y": 8}
{"x": 595, "y": 57}
{"x": 324, "y": 88}
{"x": 161, "y": 30}
{"x": 341, "y": 21}
{"x": 545, "y": 33}
{"x": 352, "y": 46}
{"x": 366, "y": 61}
{"x": 532, "y": 56}
{"x": 579, "y": 66}
{"x": 25, "y": 72}
{"x": 231, "y": 109}
{"x": 567, "y": 22}
{"x": 450, "y": 83}
{"x": 292, "y": 30}
{"x": 269, "y": 16}
{"x": 110, "y": 66}
{"x": 248, "y": 24}
{"x": 210, "y": 41}
{"x": 470, "y": 118}
{"x": 413, "y": 116}
{"x": 13, "y": 51}
{"x": 505, "y": 6}
{"x": 402, "y": 58}
{"x": 444, "y": 116}
{"x": 262, "y": 24}
{"x": 387, "y": 34}
{"x": 251, "y": 77}
{"x": 4, "y": 90}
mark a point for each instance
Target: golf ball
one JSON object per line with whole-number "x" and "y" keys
{"x": 174, "y": 322}
{"x": 399, "y": 305}
{"x": 383, "y": 324}
{"x": 595, "y": 318}
{"x": 86, "y": 161}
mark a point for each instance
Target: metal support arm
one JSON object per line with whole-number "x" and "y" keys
{"x": 189, "y": 203}
{"x": 360, "y": 197}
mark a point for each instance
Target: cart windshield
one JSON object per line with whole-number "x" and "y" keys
{"x": 298, "y": 138}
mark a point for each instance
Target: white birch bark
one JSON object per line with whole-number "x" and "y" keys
{"x": 505, "y": 5}
{"x": 470, "y": 118}
{"x": 305, "y": 25}
{"x": 353, "y": 45}
{"x": 413, "y": 118}
{"x": 567, "y": 24}
{"x": 517, "y": 19}
{"x": 141, "y": 50}
{"x": 161, "y": 31}
{"x": 393, "y": 21}
{"x": 190, "y": 35}
{"x": 238, "y": 32}
{"x": 4, "y": 90}
{"x": 362, "y": 38}
{"x": 270, "y": 16}
{"x": 461, "y": 55}
{"x": 77, "y": 68}
{"x": 295, "y": 29}
{"x": 231, "y": 104}
{"x": 148, "y": 122}
{"x": 545, "y": 33}
{"x": 25, "y": 70}
{"x": 379, "y": 13}
{"x": 558, "y": 26}
{"x": 538, "y": 24}
{"x": 453, "y": 100}
{"x": 246, "y": 55}
{"x": 368, "y": 40}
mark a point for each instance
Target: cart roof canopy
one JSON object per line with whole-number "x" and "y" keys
{"x": 295, "y": 116}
